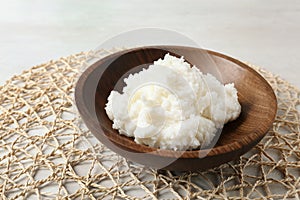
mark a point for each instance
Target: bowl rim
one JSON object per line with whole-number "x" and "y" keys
{"x": 249, "y": 139}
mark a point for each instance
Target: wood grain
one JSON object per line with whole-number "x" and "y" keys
{"x": 256, "y": 97}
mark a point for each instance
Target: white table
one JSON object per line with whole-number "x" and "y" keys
{"x": 265, "y": 33}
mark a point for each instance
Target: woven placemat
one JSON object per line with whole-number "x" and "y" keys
{"x": 46, "y": 152}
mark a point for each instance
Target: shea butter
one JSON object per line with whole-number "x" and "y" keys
{"x": 172, "y": 105}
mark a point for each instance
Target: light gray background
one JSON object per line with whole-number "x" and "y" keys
{"x": 265, "y": 33}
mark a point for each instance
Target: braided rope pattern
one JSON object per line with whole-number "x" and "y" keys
{"x": 46, "y": 152}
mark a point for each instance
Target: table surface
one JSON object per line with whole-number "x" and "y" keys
{"x": 265, "y": 33}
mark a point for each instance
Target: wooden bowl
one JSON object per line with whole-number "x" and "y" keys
{"x": 255, "y": 95}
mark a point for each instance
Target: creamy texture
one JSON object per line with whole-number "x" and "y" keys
{"x": 172, "y": 105}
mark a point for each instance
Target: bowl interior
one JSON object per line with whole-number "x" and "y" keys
{"x": 255, "y": 95}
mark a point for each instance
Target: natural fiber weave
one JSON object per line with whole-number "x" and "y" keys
{"x": 47, "y": 153}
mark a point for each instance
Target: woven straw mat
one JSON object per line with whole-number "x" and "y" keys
{"x": 46, "y": 152}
